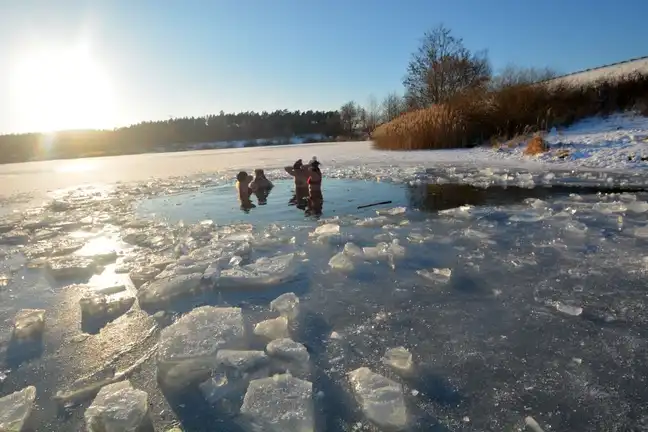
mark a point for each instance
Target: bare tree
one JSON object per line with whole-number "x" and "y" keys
{"x": 363, "y": 124}
{"x": 349, "y": 117}
{"x": 512, "y": 75}
{"x": 392, "y": 106}
{"x": 443, "y": 67}
{"x": 374, "y": 114}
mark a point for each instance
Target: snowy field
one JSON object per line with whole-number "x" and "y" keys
{"x": 450, "y": 309}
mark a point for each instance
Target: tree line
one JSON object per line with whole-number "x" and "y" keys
{"x": 173, "y": 134}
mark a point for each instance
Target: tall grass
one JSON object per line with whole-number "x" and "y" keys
{"x": 481, "y": 114}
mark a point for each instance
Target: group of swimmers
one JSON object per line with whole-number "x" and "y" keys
{"x": 308, "y": 187}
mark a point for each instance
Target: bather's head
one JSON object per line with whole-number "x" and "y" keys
{"x": 242, "y": 176}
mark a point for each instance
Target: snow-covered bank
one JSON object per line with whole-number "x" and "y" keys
{"x": 617, "y": 142}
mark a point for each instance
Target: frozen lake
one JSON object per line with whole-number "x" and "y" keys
{"x": 518, "y": 292}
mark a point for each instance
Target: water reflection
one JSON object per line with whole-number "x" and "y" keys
{"x": 299, "y": 198}
{"x": 438, "y": 197}
{"x": 262, "y": 195}
{"x": 315, "y": 203}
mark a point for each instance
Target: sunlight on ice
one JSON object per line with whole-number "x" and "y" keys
{"x": 380, "y": 398}
{"x": 16, "y": 408}
{"x": 118, "y": 407}
{"x": 280, "y": 403}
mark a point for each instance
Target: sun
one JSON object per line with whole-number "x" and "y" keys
{"x": 57, "y": 89}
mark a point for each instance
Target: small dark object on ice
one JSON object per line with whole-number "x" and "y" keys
{"x": 374, "y": 204}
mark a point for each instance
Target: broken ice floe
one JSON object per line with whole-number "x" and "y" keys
{"x": 441, "y": 275}
{"x": 118, "y": 407}
{"x": 287, "y": 305}
{"x": 168, "y": 289}
{"x": 380, "y": 398}
{"x": 399, "y": 359}
{"x": 275, "y": 328}
{"x": 281, "y": 403}
{"x": 341, "y": 262}
{"x": 29, "y": 324}
{"x": 105, "y": 306}
{"x": 392, "y": 211}
{"x": 384, "y": 250}
{"x": 71, "y": 267}
{"x": 287, "y": 349}
{"x": 16, "y": 408}
{"x": 264, "y": 272}
{"x": 568, "y": 309}
{"x": 188, "y": 348}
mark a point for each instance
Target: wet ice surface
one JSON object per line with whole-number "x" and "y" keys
{"x": 482, "y": 307}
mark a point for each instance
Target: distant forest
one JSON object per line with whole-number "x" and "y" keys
{"x": 176, "y": 134}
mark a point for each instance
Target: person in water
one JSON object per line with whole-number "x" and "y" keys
{"x": 315, "y": 197}
{"x": 260, "y": 181}
{"x": 243, "y": 180}
{"x": 300, "y": 173}
{"x": 314, "y": 180}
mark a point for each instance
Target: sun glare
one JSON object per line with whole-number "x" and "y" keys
{"x": 57, "y": 89}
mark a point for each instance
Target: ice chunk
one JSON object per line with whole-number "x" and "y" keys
{"x": 105, "y": 306}
{"x": 279, "y": 404}
{"x": 395, "y": 249}
{"x": 376, "y": 252}
{"x": 118, "y": 407}
{"x": 641, "y": 232}
{"x": 162, "y": 290}
{"x": 638, "y": 206}
{"x": 528, "y": 216}
{"x": 233, "y": 373}
{"x": 576, "y": 227}
{"x": 326, "y": 229}
{"x": 111, "y": 290}
{"x": 16, "y": 408}
{"x": 436, "y": 274}
{"x": 287, "y": 349}
{"x": 71, "y": 267}
{"x": 29, "y": 324}
{"x": 263, "y": 272}
{"x": 416, "y": 237}
{"x": 217, "y": 387}
{"x": 276, "y": 328}
{"x": 610, "y": 207}
{"x": 287, "y": 305}
{"x": 398, "y": 358}
{"x": 536, "y": 203}
{"x": 373, "y": 222}
{"x": 381, "y": 399}
{"x": 353, "y": 250}
{"x": 5, "y": 279}
{"x": 392, "y": 211}
{"x": 241, "y": 361}
{"x": 15, "y": 237}
{"x": 140, "y": 275}
{"x": 567, "y": 309}
{"x": 188, "y": 348}
{"x": 341, "y": 261}
{"x": 532, "y": 424}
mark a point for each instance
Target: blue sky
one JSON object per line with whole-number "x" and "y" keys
{"x": 176, "y": 58}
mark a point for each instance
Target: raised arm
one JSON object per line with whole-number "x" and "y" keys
{"x": 290, "y": 170}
